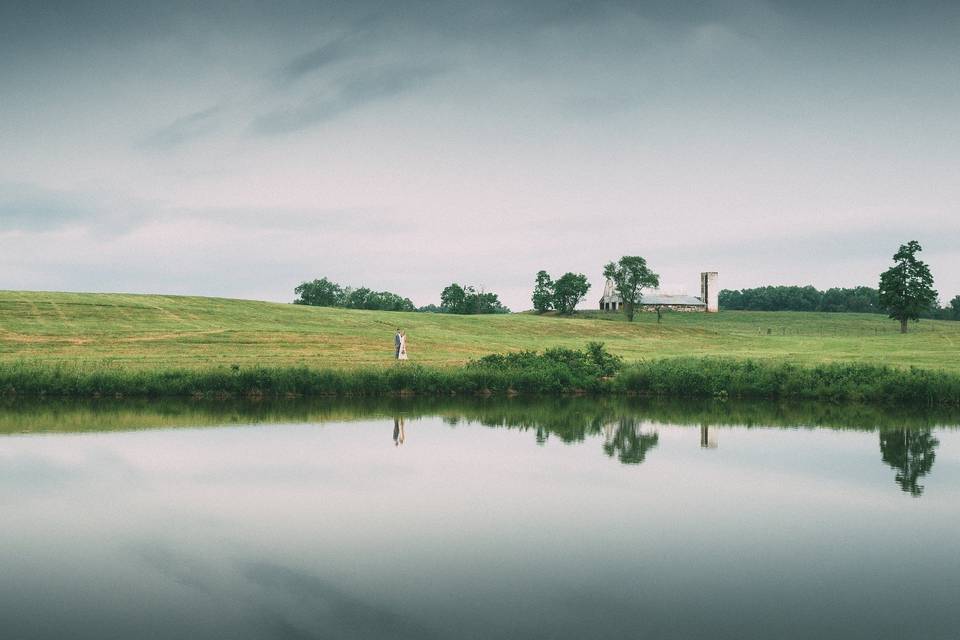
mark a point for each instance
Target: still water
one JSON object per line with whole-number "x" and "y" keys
{"x": 565, "y": 519}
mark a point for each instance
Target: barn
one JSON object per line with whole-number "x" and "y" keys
{"x": 706, "y": 302}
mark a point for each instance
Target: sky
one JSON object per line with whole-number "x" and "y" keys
{"x": 237, "y": 149}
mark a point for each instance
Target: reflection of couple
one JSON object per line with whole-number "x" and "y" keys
{"x": 398, "y": 434}
{"x": 400, "y": 342}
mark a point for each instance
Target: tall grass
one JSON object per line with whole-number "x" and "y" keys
{"x": 722, "y": 377}
{"x": 552, "y": 372}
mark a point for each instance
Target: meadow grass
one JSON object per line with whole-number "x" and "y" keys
{"x": 124, "y": 332}
{"x": 95, "y": 345}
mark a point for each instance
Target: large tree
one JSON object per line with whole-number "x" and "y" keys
{"x": 906, "y": 288}
{"x": 568, "y": 291}
{"x": 542, "y": 292}
{"x": 453, "y": 299}
{"x": 630, "y": 275}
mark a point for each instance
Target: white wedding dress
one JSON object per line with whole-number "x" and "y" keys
{"x": 403, "y": 348}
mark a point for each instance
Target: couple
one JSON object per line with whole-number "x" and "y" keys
{"x": 400, "y": 342}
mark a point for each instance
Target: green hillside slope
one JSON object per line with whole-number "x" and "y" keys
{"x": 148, "y": 331}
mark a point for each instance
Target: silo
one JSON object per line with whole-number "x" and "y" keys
{"x": 709, "y": 291}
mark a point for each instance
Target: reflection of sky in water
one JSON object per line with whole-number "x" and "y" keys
{"x": 307, "y": 531}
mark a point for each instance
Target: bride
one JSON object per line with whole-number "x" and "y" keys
{"x": 403, "y": 346}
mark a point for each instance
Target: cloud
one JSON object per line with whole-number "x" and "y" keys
{"x": 31, "y": 209}
{"x": 184, "y": 129}
{"x": 345, "y": 95}
{"x": 325, "y": 55}
{"x": 24, "y": 208}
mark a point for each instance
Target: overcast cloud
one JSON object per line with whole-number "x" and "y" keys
{"x": 236, "y": 149}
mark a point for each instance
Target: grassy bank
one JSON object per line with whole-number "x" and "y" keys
{"x": 162, "y": 333}
{"x": 679, "y": 377}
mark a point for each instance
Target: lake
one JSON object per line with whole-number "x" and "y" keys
{"x": 572, "y": 518}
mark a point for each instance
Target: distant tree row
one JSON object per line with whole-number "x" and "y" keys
{"x": 837, "y": 299}
{"x": 468, "y": 301}
{"x": 808, "y": 298}
{"x": 453, "y": 299}
{"x": 905, "y": 293}
{"x": 324, "y": 293}
{"x": 950, "y": 311}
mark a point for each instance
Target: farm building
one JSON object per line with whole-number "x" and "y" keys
{"x": 706, "y": 302}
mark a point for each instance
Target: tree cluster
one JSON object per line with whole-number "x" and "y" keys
{"x": 468, "y": 301}
{"x": 324, "y": 293}
{"x": 562, "y": 295}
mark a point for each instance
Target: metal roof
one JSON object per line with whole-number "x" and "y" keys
{"x": 665, "y": 298}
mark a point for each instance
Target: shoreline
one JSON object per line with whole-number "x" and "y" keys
{"x": 718, "y": 378}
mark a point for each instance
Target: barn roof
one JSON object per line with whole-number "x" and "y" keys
{"x": 666, "y": 298}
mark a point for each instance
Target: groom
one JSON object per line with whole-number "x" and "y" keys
{"x": 396, "y": 344}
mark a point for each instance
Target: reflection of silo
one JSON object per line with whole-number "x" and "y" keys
{"x": 709, "y": 292}
{"x": 706, "y": 441}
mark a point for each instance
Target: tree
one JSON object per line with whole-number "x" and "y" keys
{"x": 319, "y": 293}
{"x": 453, "y": 299}
{"x": 906, "y": 288}
{"x": 568, "y": 291}
{"x": 630, "y": 276}
{"x": 911, "y": 452}
{"x": 954, "y": 309}
{"x": 543, "y": 292}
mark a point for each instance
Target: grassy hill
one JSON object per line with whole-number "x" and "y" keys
{"x": 151, "y": 331}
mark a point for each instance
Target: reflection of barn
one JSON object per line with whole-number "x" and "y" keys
{"x": 707, "y": 301}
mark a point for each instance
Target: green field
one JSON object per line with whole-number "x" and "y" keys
{"x": 151, "y": 331}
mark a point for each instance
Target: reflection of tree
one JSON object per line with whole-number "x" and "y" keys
{"x": 628, "y": 441}
{"x": 911, "y": 453}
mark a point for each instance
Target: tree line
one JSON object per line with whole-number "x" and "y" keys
{"x": 905, "y": 293}
{"x": 454, "y": 299}
{"x": 324, "y": 293}
{"x": 834, "y": 300}
{"x": 808, "y": 298}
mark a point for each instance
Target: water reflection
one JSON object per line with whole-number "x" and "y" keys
{"x": 628, "y": 441}
{"x": 569, "y": 518}
{"x": 911, "y": 453}
{"x": 399, "y": 431}
{"x": 708, "y": 440}
{"x": 626, "y": 427}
